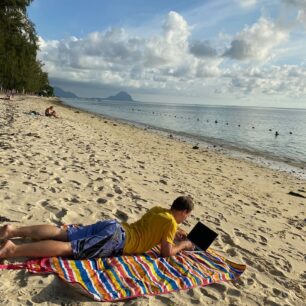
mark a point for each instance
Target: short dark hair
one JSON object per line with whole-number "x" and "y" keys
{"x": 182, "y": 203}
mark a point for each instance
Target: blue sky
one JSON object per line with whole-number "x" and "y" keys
{"x": 236, "y": 52}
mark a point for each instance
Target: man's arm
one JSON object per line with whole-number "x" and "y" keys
{"x": 169, "y": 249}
{"x": 180, "y": 235}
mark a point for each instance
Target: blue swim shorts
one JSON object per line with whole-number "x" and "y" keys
{"x": 102, "y": 239}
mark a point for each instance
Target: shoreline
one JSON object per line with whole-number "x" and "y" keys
{"x": 292, "y": 167}
{"x": 84, "y": 167}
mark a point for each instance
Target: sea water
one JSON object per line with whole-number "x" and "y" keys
{"x": 246, "y": 129}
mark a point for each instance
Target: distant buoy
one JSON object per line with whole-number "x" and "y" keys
{"x": 290, "y": 133}
{"x": 270, "y": 130}
{"x": 253, "y": 127}
{"x": 216, "y": 121}
{"x": 239, "y": 125}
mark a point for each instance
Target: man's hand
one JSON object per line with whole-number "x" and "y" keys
{"x": 169, "y": 249}
{"x": 180, "y": 235}
{"x": 189, "y": 245}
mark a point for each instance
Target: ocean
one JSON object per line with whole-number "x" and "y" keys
{"x": 250, "y": 130}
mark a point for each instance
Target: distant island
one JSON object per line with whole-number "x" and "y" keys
{"x": 58, "y": 92}
{"x": 120, "y": 96}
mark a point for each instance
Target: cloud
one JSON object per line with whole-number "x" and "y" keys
{"x": 257, "y": 42}
{"x": 288, "y": 80}
{"x": 300, "y": 5}
{"x": 171, "y": 62}
{"x": 116, "y": 57}
{"x": 246, "y": 3}
{"x": 202, "y": 49}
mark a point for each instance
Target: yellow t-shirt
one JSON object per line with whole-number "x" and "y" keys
{"x": 156, "y": 225}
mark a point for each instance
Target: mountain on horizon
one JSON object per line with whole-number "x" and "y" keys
{"x": 58, "y": 92}
{"x": 120, "y": 96}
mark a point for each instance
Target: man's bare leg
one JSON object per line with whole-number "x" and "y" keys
{"x": 46, "y": 248}
{"x": 36, "y": 232}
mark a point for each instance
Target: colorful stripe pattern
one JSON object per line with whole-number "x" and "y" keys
{"x": 122, "y": 277}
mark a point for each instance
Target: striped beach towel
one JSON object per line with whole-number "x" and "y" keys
{"x": 123, "y": 277}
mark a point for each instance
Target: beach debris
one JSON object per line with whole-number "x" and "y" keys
{"x": 195, "y": 147}
{"x": 295, "y": 194}
{"x": 170, "y": 136}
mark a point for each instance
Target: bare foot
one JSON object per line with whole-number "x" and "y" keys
{"x": 5, "y": 231}
{"x": 7, "y": 249}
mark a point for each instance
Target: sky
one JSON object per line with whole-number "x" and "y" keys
{"x": 218, "y": 52}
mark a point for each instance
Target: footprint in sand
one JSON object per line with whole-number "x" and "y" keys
{"x": 117, "y": 189}
{"x": 232, "y": 252}
{"x": 263, "y": 240}
{"x": 122, "y": 215}
{"x": 210, "y": 294}
{"x": 58, "y": 180}
{"x": 234, "y": 292}
{"x": 244, "y": 236}
{"x": 62, "y": 213}
{"x": 101, "y": 201}
{"x": 280, "y": 293}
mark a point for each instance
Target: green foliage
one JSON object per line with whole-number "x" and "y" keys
{"x": 19, "y": 68}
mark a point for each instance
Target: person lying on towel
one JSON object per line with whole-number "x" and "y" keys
{"x": 105, "y": 238}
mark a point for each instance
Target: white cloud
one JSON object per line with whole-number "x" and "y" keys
{"x": 247, "y": 3}
{"x": 115, "y": 56}
{"x": 257, "y": 42}
{"x": 172, "y": 62}
{"x": 288, "y": 80}
{"x": 300, "y": 5}
{"x": 301, "y": 17}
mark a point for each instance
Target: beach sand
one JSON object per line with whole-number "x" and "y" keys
{"x": 81, "y": 168}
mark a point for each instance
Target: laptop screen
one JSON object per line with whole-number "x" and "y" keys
{"x": 202, "y": 236}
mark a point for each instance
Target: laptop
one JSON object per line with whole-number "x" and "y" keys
{"x": 202, "y": 236}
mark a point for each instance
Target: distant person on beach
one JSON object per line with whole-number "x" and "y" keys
{"x": 9, "y": 95}
{"x": 158, "y": 226}
{"x": 50, "y": 112}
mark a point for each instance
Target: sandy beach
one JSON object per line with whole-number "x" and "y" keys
{"x": 81, "y": 168}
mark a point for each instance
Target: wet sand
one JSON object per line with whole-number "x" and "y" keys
{"x": 82, "y": 167}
